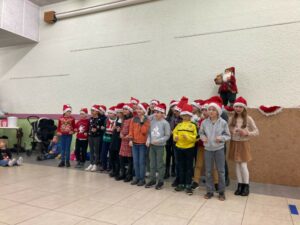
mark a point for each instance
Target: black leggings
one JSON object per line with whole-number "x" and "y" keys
{"x": 170, "y": 155}
{"x": 129, "y": 162}
{"x": 80, "y": 150}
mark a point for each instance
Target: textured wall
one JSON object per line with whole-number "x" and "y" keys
{"x": 276, "y": 150}
{"x": 77, "y": 61}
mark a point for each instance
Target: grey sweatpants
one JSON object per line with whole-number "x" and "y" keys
{"x": 156, "y": 154}
{"x": 211, "y": 158}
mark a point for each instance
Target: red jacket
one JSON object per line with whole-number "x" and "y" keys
{"x": 82, "y": 129}
{"x": 66, "y": 125}
{"x": 229, "y": 86}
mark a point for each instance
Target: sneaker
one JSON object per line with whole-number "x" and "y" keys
{"x": 94, "y": 168}
{"x": 128, "y": 179}
{"x": 12, "y": 162}
{"x": 195, "y": 185}
{"x": 208, "y": 195}
{"x": 61, "y": 164}
{"x": 159, "y": 185}
{"x": 134, "y": 182}
{"x": 150, "y": 184}
{"x": 222, "y": 196}
{"x": 179, "y": 187}
{"x": 175, "y": 183}
{"x": 20, "y": 161}
{"x": 141, "y": 183}
{"x": 189, "y": 190}
{"x": 89, "y": 167}
{"x": 68, "y": 164}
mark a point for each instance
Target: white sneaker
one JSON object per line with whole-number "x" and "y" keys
{"x": 12, "y": 162}
{"x": 89, "y": 167}
{"x": 20, "y": 161}
{"x": 94, "y": 168}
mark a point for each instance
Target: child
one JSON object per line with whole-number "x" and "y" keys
{"x": 134, "y": 102}
{"x": 116, "y": 142}
{"x": 199, "y": 166}
{"x": 6, "y": 157}
{"x": 152, "y": 105}
{"x": 173, "y": 120}
{"x": 54, "y": 149}
{"x": 196, "y": 111}
{"x": 125, "y": 150}
{"x": 107, "y": 136}
{"x": 65, "y": 130}
{"x": 138, "y": 132}
{"x": 82, "y": 128}
{"x": 159, "y": 133}
{"x": 242, "y": 127}
{"x": 95, "y": 135}
{"x": 214, "y": 132}
{"x": 185, "y": 135}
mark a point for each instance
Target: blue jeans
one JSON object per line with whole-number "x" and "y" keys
{"x": 139, "y": 157}
{"x": 104, "y": 152}
{"x": 65, "y": 141}
{"x": 3, "y": 162}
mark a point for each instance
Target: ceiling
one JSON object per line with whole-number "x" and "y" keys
{"x": 9, "y": 39}
{"x": 45, "y": 2}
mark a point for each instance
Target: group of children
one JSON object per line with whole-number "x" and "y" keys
{"x": 128, "y": 139}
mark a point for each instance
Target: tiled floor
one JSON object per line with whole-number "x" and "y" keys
{"x": 40, "y": 195}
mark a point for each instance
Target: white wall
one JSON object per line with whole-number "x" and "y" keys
{"x": 267, "y": 59}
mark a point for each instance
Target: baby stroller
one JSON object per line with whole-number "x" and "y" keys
{"x": 43, "y": 130}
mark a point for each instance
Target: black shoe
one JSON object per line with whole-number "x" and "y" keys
{"x": 173, "y": 174}
{"x": 245, "y": 190}
{"x": 61, "y": 164}
{"x": 208, "y": 195}
{"x": 227, "y": 182}
{"x": 175, "y": 183}
{"x": 68, "y": 164}
{"x": 150, "y": 184}
{"x": 167, "y": 174}
{"x": 195, "y": 185}
{"x": 128, "y": 179}
{"x": 239, "y": 189}
{"x": 141, "y": 183}
{"x": 78, "y": 165}
{"x": 134, "y": 182}
{"x": 216, "y": 187}
{"x": 119, "y": 177}
{"x": 222, "y": 196}
{"x": 189, "y": 190}
{"x": 159, "y": 185}
{"x": 179, "y": 187}
{"x": 112, "y": 174}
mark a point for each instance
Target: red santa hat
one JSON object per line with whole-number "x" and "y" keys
{"x": 231, "y": 69}
{"x": 204, "y": 104}
{"x": 112, "y": 110}
{"x": 187, "y": 110}
{"x": 128, "y": 106}
{"x": 144, "y": 106}
{"x": 84, "y": 110}
{"x": 134, "y": 100}
{"x": 217, "y": 103}
{"x": 96, "y": 108}
{"x": 229, "y": 108}
{"x": 102, "y": 108}
{"x": 197, "y": 103}
{"x": 161, "y": 108}
{"x": 67, "y": 108}
{"x": 119, "y": 107}
{"x": 183, "y": 101}
{"x": 240, "y": 101}
{"x": 173, "y": 103}
{"x": 154, "y": 101}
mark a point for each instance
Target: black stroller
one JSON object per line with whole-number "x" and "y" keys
{"x": 43, "y": 130}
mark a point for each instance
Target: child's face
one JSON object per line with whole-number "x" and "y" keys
{"x": 68, "y": 113}
{"x": 125, "y": 112}
{"x": 140, "y": 111}
{"x": 204, "y": 113}
{"x": 186, "y": 117}
{"x": 212, "y": 112}
{"x": 83, "y": 116}
{"x": 159, "y": 115}
{"x": 120, "y": 114}
{"x": 176, "y": 113}
{"x": 152, "y": 105}
{"x": 134, "y": 106}
{"x": 238, "y": 109}
{"x": 94, "y": 113}
{"x": 173, "y": 108}
{"x": 2, "y": 145}
{"x": 195, "y": 110}
{"x": 111, "y": 115}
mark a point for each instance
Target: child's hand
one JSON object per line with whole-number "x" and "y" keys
{"x": 121, "y": 136}
{"x": 219, "y": 139}
{"x": 147, "y": 144}
{"x": 244, "y": 133}
{"x": 102, "y": 128}
{"x": 130, "y": 143}
{"x": 118, "y": 129}
{"x": 205, "y": 140}
{"x": 85, "y": 134}
{"x": 176, "y": 138}
{"x": 94, "y": 129}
